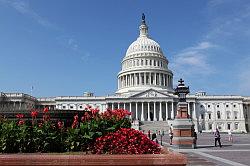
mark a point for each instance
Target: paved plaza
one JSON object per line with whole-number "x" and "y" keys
{"x": 236, "y": 153}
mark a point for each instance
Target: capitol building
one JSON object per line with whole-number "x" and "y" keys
{"x": 145, "y": 88}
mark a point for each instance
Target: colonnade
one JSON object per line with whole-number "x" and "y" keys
{"x": 145, "y": 78}
{"x": 150, "y": 110}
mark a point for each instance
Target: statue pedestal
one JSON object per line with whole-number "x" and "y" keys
{"x": 183, "y": 128}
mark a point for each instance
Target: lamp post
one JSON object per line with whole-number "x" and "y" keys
{"x": 181, "y": 91}
{"x": 183, "y": 133}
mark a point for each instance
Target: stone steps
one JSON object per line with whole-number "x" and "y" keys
{"x": 153, "y": 126}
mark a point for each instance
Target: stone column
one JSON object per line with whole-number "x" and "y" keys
{"x": 189, "y": 112}
{"x": 150, "y": 79}
{"x": 124, "y": 80}
{"x": 241, "y": 116}
{"x": 172, "y": 111}
{"x": 139, "y": 74}
{"x": 160, "y": 79}
{"x": 155, "y": 79}
{"x": 118, "y": 83}
{"x": 124, "y": 105}
{"x": 145, "y": 81}
{"x": 155, "y": 119}
{"x": 148, "y": 112}
{"x": 166, "y": 111}
{"x": 136, "y": 111}
{"x": 160, "y": 114}
{"x": 112, "y": 106}
{"x": 194, "y": 112}
{"x": 118, "y": 105}
{"x": 133, "y": 80}
{"x": 142, "y": 112}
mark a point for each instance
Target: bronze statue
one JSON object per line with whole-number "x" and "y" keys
{"x": 143, "y": 17}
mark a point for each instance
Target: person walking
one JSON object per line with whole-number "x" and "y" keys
{"x": 171, "y": 134}
{"x": 149, "y": 135}
{"x": 217, "y": 137}
{"x": 230, "y": 136}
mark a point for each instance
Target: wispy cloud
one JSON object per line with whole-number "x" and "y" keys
{"x": 193, "y": 60}
{"x": 70, "y": 43}
{"x": 24, "y": 8}
{"x": 231, "y": 31}
{"x": 235, "y": 23}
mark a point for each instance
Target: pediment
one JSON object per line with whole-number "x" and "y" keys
{"x": 151, "y": 93}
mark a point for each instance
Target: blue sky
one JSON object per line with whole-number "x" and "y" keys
{"x": 63, "y": 47}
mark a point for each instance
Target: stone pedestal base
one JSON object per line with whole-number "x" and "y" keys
{"x": 183, "y": 134}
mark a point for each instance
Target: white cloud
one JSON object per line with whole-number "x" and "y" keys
{"x": 72, "y": 43}
{"x": 24, "y": 8}
{"x": 193, "y": 61}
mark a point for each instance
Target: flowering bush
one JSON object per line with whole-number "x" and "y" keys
{"x": 125, "y": 141}
{"x": 85, "y": 129}
{"x": 47, "y": 136}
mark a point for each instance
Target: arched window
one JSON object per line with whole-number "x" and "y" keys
{"x": 228, "y": 115}
{"x": 235, "y": 115}
{"x": 218, "y": 115}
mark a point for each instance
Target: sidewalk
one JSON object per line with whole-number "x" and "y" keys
{"x": 236, "y": 153}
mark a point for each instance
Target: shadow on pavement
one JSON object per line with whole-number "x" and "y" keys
{"x": 210, "y": 146}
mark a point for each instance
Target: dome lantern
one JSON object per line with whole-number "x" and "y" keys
{"x": 143, "y": 27}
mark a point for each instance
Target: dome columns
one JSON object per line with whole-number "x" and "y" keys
{"x": 146, "y": 79}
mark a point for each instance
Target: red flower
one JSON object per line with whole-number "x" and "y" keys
{"x": 117, "y": 114}
{"x": 46, "y": 117}
{"x": 46, "y": 109}
{"x": 60, "y": 124}
{"x": 21, "y": 122}
{"x": 76, "y": 117}
{"x": 34, "y": 114}
{"x": 74, "y": 124}
{"x": 125, "y": 141}
{"x": 40, "y": 125}
{"x": 19, "y": 116}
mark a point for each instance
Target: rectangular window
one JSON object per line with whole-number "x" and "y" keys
{"x": 236, "y": 126}
{"x": 209, "y": 116}
{"x": 210, "y": 126}
{"x": 202, "y": 116}
{"x": 228, "y": 126}
{"x": 235, "y": 115}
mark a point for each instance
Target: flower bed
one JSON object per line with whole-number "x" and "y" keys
{"x": 91, "y": 132}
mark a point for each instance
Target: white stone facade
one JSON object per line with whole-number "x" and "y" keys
{"x": 145, "y": 88}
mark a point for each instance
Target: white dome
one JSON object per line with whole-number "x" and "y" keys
{"x": 143, "y": 44}
{"x": 144, "y": 66}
